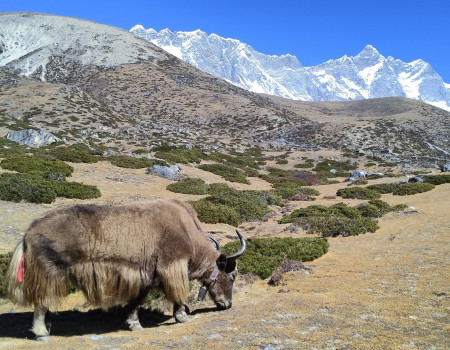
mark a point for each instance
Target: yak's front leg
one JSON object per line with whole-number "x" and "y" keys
{"x": 179, "y": 312}
{"x": 133, "y": 319}
{"x": 39, "y": 327}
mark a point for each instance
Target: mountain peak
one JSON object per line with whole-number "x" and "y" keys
{"x": 369, "y": 52}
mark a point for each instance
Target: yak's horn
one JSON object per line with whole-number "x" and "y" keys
{"x": 240, "y": 251}
{"x": 216, "y": 243}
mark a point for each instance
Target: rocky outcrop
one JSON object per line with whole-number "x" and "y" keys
{"x": 172, "y": 172}
{"x": 32, "y": 138}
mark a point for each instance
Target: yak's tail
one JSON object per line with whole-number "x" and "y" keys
{"x": 14, "y": 277}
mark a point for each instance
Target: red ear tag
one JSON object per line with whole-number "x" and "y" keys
{"x": 20, "y": 270}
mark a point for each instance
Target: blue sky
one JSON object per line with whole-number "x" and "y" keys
{"x": 314, "y": 31}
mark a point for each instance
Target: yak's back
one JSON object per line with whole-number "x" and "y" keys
{"x": 132, "y": 232}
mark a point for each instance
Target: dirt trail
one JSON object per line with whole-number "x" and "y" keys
{"x": 383, "y": 290}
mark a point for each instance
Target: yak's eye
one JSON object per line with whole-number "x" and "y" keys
{"x": 232, "y": 277}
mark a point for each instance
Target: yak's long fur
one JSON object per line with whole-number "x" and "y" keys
{"x": 114, "y": 254}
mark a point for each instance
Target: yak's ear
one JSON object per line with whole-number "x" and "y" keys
{"x": 221, "y": 262}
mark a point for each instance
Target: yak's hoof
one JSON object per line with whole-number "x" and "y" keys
{"x": 136, "y": 327}
{"x": 181, "y": 317}
{"x": 42, "y": 337}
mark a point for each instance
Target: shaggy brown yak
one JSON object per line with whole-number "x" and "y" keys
{"x": 115, "y": 255}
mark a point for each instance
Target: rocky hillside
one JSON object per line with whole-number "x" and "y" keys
{"x": 136, "y": 95}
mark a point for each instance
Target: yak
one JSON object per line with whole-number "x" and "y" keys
{"x": 115, "y": 254}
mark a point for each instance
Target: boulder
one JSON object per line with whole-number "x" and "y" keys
{"x": 172, "y": 172}
{"x": 446, "y": 167}
{"x": 415, "y": 179}
{"x": 357, "y": 174}
{"x": 32, "y": 138}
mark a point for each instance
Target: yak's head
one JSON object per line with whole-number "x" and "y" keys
{"x": 220, "y": 284}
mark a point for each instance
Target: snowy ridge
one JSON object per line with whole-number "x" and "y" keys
{"x": 366, "y": 75}
{"x": 28, "y": 41}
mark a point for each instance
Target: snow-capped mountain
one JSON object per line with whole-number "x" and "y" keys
{"x": 366, "y": 75}
{"x": 30, "y": 42}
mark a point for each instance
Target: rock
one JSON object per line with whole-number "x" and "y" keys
{"x": 32, "y": 138}
{"x": 415, "y": 179}
{"x": 286, "y": 265}
{"x": 358, "y": 174}
{"x": 5, "y": 103}
{"x": 446, "y": 167}
{"x": 173, "y": 172}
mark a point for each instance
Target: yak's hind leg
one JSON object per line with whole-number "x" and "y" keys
{"x": 175, "y": 283}
{"x": 39, "y": 327}
{"x": 179, "y": 312}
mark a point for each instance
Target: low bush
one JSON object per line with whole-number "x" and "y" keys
{"x": 412, "y": 188}
{"x": 74, "y": 154}
{"x": 181, "y": 155}
{"x": 133, "y": 162}
{"x": 228, "y": 173}
{"x": 17, "y": 187}
{"x": 338, "y": 219}
{"x": 247, "y": 205}
{"x": 402, "y": 189}
{"x": 358, "y": 193}
{"x": 304, "y": 165}
{"x": 341, "y": 168}
{"x": 213, "y": 213}
{"x": 189, "y": 186}
{"x": 4, "y": 261}
{"x": 358, "y": 182}
{"x": 288, "y": 190}
{"x": 374, "y": 176}
{"x": 377, "y": 208}
{"x": 437, "y": 179}
{"x": 35, "y": 164}
{"x": 32, "y": 187}
{"x": 264, "y": 255}
{"x": 383, "y": 188}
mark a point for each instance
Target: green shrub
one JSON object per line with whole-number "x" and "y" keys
{"x": 264, "y": 255}
{"x": 383, "y": 188}
{"x": 358, "y": 193}
{"x": 35, "y": 164}
{"x": 402, "y": 189}
{"x": 74, "y": 154}
{"x": 342, "y": 168}
{"x": 239, "y": 160}
{"x": 11, "y": 149}
{"x": 181, "y": 155}
{"x": 241, "y": 205}
{"x": 282, "y": 161}
{"x": 229, "y": 174}
{"x": 288, "y": 190}
{"x": 133, "y": 162}
{"x": 437, "y": 179}
{"x": 75, "y": 190}
{"x": 189, "y": 186}
{"x": 17, "y": 187}
{"x": 4, "y": 261}
{"x": 213, "y": 213}
{"x": 412, "y": 188}
{"x": 358, "y": 182}
{"x": 32, "y": 187}
{"x": 374, "y": 176}
{"x": 304, "y": 165}
{"x": 338, "y": 219}
{"x": 335, "y": 226}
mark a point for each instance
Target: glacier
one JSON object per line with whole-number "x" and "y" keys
{"x": 366, "y": 75}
